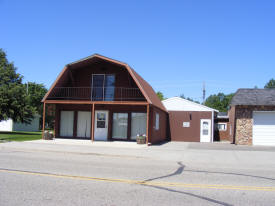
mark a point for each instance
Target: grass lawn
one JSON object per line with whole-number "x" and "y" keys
{"x": 19, "y": 136}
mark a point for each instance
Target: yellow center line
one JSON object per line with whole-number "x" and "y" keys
{"x": 141, "y": 182}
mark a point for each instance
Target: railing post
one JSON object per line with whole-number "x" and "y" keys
{"x": 120, "y": 93}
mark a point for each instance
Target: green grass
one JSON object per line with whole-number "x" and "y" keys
{"x": 19, "y": 136}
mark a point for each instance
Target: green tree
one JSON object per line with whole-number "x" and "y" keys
{"x": 270, "y": 84}
{"x": 188, "y": 98}
{"x": 35, "y": 93}
{"x": 220, "y": 101}
{"x": 161, "y": 96}
{"x": 14, "y": 102}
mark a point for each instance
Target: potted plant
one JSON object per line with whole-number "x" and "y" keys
{"x": 141, "y": 139}
{"x": 48, "y": 135}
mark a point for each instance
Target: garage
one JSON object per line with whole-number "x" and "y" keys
{"x": 264, "y": 128}
{"x": 190, "y": 121}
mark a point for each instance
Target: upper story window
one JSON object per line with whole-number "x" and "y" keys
{"x": 103, "y": 87}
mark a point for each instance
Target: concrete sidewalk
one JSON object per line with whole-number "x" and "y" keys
{"x": 112, "y": 144}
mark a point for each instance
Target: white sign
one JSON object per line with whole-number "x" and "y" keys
{"x": 186, "y": 124}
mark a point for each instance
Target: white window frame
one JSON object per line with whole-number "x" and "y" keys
{"x": 225, "y": 126}
{"x": 157, "y": 121}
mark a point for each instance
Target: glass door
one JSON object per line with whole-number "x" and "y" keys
{"x": 109, "y": 87}
{"x": 103, "y": 87}
{"x": 97, "y": 87}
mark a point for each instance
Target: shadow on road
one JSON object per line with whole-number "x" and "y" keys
{"x": 229, "y": 173}
{"x": 178, "y": 172}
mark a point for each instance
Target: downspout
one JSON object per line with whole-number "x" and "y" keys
{"x": 212, "y": 133}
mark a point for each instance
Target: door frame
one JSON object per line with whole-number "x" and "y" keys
{"x": 210, "y": 130}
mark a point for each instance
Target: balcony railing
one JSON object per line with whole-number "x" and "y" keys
{"x": 97, "y": 93}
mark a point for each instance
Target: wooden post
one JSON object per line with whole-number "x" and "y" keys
{"x": 147, "y": 124}
{"x": 43, "y": 122}
{"x": 93, "y": 122}
{"x": 129, "y": 126}
{"x": 75, "y": 124}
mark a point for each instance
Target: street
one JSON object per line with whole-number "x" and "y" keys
{"x": 194, "y": 174}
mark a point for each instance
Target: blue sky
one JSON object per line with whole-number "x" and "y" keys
{"x": 174, "y": 45}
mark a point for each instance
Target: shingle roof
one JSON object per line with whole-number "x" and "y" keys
{"x": 254, "y": 97}
{"x": 151, "y": 94}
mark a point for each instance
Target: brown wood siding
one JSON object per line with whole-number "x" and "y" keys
{"x": 186, "y": 134}
{"x": 82, "y": 76}
{"x": 231, "y": 114}
{"x": 160, "y": 134}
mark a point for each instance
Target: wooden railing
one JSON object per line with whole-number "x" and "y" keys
{"x": 97, "y": 93}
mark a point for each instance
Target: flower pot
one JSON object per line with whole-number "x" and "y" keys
{"x": 141, "y": 140}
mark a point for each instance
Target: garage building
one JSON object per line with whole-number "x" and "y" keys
{"x": 189, "y": 121}
{"x": 252, "y": 116}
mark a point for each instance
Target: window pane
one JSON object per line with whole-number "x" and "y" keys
{"x": 97, "y": 85}
{"x": 66, "y": 123}
{"x": 109, "y": 90}
{"x": 120, "y": 125}
{"x": 205, "y": 128}
{"x": 100, "y": 124}
{"x": 138, "y": 124}
{"x": 222, "y": 126}
{"x": 157, "y": 121}
{"x": 101, "y": 116}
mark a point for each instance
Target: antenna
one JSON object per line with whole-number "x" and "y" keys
{"x": 203, "y": 93}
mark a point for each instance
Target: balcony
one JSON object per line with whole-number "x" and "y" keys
{"x": 96, "y": 94}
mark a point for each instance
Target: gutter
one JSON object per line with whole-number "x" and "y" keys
{"x": 212, "y": 133}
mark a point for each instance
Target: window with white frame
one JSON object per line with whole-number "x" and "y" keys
{"x": 222, "y": 126}
{"x": 157, "y": 122}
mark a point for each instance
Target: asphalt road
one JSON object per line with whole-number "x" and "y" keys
{"x": 144, "y": 177}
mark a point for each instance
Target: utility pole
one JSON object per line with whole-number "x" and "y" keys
{"x": 27, "y": 88}
{"x": 203, "y": 92}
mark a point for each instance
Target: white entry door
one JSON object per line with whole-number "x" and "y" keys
{"x": 84, "y": 124}
{"x": 101, "y": 125}
{"x": 66, "y": 123}
{"x": 205, "y": 130}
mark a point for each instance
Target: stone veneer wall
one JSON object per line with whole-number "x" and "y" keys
{"x": 244, "y": 122}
